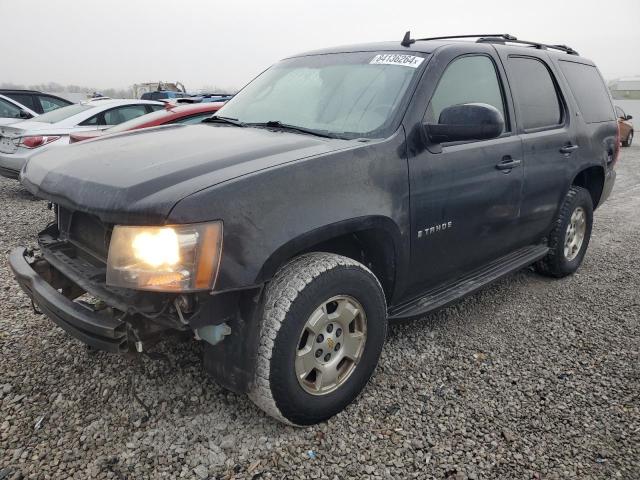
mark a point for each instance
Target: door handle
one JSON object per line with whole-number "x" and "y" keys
{"x": 508, "y": 163}
{"x": 567, "y": 149}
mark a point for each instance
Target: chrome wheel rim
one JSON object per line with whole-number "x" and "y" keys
{"x": 331, "y": 345}
{"x": 575, "y": 233}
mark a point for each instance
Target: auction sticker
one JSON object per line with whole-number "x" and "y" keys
{"x": 397, "y": 59}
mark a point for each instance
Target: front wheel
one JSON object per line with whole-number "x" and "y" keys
{"x": 323, "y": 328}
{"x": 569, "y": 238}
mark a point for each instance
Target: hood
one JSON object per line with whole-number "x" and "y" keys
{"x": 137, "y": 177}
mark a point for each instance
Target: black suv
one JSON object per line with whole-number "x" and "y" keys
{"x": 340, "y": 189}
{"x": 34, "y": 100}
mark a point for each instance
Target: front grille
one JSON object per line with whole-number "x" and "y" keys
{"x": 86, "y": 231}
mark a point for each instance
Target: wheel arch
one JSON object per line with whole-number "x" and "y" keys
{"x": 591, "y": 179}
{"x": 374, "y": 241}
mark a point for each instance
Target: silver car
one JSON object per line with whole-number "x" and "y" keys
{"x": 19, "y": 141}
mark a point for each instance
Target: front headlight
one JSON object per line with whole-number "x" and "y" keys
{"x": 166, "y": 259}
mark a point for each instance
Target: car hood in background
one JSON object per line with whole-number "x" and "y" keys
{"x": 137, "y": 177}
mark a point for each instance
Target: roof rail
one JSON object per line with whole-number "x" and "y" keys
{"x": 407, "y": 40}
{"x": 538, "y": 45}
{"x": 502, "y": 38}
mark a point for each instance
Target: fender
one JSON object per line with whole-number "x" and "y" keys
{"x": 323, "y": 234}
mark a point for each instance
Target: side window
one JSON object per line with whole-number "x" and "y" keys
{"x": 535, "y": 93}
{"x": 8, "y": 109}
{"x": 51, "y": 103}
{"x": 95, "y": 120}
{"x": 122, "y": 114}
{"x": 589, "y": 90}
{"x": 155, "y": 108}
{"x": 193, "y": 118}
{"x": 24, "y": 99}
{"x": 620, "y": 113}
{"x": 470, "y": 79}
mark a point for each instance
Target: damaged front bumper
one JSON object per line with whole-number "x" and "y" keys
{"x": 100, "y": 329}
{"x": 67, "y": 283}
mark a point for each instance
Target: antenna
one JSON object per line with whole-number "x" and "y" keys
{"x": 407, "y": 40}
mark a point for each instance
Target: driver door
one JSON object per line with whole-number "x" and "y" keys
{"x": 465, "y": 205}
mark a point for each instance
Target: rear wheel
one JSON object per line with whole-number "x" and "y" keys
{"x": 629, "y": 140}
{"x": 569, "y": 239}
{"x": 323, "y": 328}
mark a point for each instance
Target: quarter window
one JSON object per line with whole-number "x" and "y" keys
{"x": 470, "y": 79}
{"x": 589, "y": 90}
{"x": 535, "y": 93}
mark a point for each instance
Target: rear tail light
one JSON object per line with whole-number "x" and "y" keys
{"x": 618, "y": 145}
{"x": 37, "y": 141}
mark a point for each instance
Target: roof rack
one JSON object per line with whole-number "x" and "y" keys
{"x": 539, "y": 46}
{"x": 501, "y": 38}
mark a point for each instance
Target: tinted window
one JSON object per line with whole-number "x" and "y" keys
{"x": 535, "y": 93}
{"x": 51, "y": 103}
{"x": 8, "y": 110}
{"x": 155, "y": 108}
{"x": 63, "y": 113}
{"x": 25, "y": 99}
{"x": 122, "y": 114}
{"x": 193, "y": 119}
{"x": 589, "y": 90}
{"x": 467, "y": 80}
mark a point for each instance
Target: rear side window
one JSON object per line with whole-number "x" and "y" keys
{"x": 8, "y": 110}
{"x": 122, "y": 114}
{"x": 25, "y": 99}
{"x": 471, "y": 79}
{"x": 193, "y": 119}
{"x": 535, "y": 93}
{"x": 589, "y": 90}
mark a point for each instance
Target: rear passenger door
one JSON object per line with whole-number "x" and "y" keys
{"x": 548, "y": 139}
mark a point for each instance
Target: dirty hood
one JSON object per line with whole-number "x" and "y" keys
{"x": 137, "y": 177}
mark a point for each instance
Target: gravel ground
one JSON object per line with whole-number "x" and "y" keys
{"x": 531, "y": 378}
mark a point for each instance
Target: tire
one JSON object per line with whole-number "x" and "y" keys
{"x": 629, "y": 140}
{"x": 565, "y": 257}
{"x": 297, "y": 292}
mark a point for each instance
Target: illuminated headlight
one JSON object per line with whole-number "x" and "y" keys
{"x": 167, "y": 259}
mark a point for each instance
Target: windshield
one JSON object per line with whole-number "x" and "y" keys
{"x": 348, "y": 95}
{"x": 63, "y": 113}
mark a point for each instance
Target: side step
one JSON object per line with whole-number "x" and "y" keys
{"x": 448, "y": 293}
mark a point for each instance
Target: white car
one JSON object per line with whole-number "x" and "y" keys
{"x": 12, "y": 111}
{"x": 19, "y": 141}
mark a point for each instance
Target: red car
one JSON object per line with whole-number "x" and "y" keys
{"x": 184, "y": 113}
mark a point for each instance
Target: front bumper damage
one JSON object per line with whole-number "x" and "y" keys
{"x": 68, "y": 285}
{"x": 99, "y": 325}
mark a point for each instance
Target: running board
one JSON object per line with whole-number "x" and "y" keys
{"x": 444, "y": 295}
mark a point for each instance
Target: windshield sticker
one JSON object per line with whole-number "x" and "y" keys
{"x": 397, "y": 59}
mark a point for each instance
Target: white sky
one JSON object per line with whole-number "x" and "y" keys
{"x": 115, "y": 43}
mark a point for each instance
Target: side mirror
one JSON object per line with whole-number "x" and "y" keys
{"x": 468, "y": 121}
{"x": 25, "y": 115}
{"x": 628, "y": 117}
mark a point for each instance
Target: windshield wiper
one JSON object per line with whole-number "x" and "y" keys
{"x": 228, "y": 120}
{"x": 285, "y": 126}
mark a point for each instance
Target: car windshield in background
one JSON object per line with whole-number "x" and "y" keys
{"x": 346, "y": 95}
{"x": 63, "y": 113}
